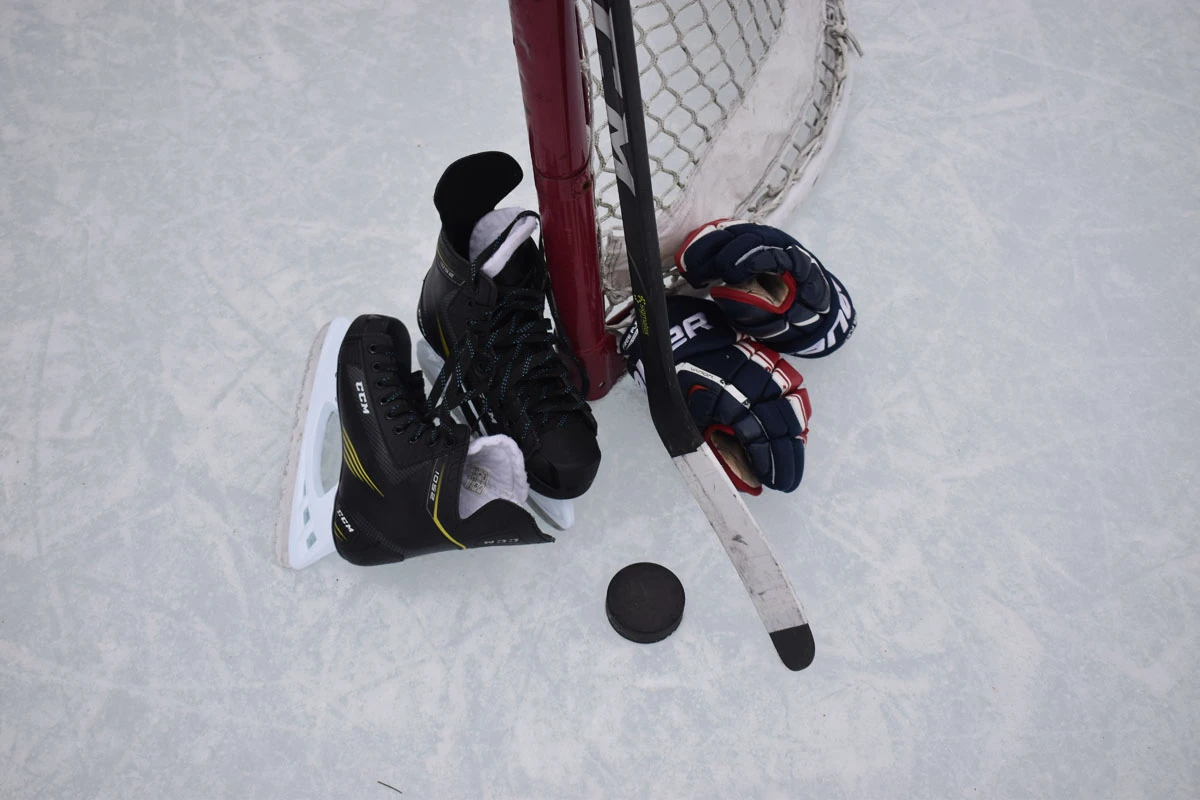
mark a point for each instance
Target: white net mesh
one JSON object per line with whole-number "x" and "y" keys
{"x": 740, "y": 99}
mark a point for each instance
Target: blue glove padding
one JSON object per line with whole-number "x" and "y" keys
{"x": 750, "y": 404}
{"x": 770, "y": 286}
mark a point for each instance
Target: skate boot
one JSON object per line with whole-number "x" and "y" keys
{"x": 412, "y": 482}
{"x": 482, "y": 310}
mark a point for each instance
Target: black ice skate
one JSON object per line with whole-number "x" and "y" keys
{"x": 412, "y": 482}
{"x": 483, "y": 304}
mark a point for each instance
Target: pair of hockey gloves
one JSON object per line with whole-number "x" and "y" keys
{"x": 748, "y": 401}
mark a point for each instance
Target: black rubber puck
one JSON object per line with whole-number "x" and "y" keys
{"x": 645, "y": 602}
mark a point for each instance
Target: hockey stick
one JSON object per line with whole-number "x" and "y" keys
{"x": 773, "y": 596}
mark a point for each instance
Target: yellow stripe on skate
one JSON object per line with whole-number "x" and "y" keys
{"x": 355, "y": 465}
{"x": 437, "y": 499}
{"x": 350, "y": 462}
{"x": 338, "y": 532}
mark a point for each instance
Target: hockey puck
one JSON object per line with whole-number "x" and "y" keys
{"x": 645, "y": 602}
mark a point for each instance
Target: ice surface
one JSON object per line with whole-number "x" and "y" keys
{"x": 995, "y": 540}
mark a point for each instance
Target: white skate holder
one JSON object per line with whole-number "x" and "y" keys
{"x": 304, "y": 534}
{"x": 558, "y": 513}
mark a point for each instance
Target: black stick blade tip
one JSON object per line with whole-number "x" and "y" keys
{"x": 795, "y": 646}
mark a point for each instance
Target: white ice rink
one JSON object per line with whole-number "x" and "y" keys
{"x": 995, "y": 539}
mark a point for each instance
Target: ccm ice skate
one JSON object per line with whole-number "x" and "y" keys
{"x": 411, "y": 481}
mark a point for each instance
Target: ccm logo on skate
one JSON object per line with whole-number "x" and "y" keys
{"x": 345, "y": 522}
{"x": 362, "y": 397}
{"x": 507, "y": 540}
{"x": 688, "y": 329}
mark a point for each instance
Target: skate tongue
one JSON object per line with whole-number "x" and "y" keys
{"x": 501, "y": 266}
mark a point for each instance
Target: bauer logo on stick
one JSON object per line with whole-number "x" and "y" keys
{"x": 618, "y": 127}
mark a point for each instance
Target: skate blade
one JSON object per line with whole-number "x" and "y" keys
{"x": 304, "y": 534}
{"x": 559, "y": 513}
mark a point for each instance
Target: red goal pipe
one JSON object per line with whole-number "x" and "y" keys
{"x": 546, "y": 34}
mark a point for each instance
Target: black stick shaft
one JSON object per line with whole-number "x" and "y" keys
{"x": 627, "y": 127}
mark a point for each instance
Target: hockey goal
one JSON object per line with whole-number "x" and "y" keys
{"x": 743, "y": 101}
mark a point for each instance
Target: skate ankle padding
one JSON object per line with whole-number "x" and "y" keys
{"x": 491, "y": 227}
{"x": 494, "y": 469}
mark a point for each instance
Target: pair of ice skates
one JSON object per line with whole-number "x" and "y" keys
{"x": 503, "y": 425}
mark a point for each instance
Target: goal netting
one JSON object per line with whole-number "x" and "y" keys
{"x": 741, "y": 103}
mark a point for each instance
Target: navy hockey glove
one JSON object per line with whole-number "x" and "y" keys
{"x": 750, "y": 404}
{"x": 773, "y": 290}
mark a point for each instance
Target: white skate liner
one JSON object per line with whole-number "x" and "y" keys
{"x": 489, "y": 228}
{"x": 304, "y": 534}
{"x": 559, "y": 513}
{"x": 494, "y": 469}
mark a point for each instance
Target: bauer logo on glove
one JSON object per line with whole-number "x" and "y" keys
{"x": 769, "y": 286}
{"x": 750, "y": 404}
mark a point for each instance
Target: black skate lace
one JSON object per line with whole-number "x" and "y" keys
{"x": 407, "y": 404}
{"x": 511, "y": 346}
